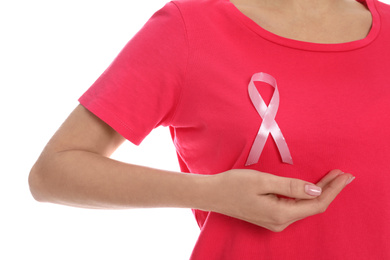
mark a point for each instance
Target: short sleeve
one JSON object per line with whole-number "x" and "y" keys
{"x": 141, "y": 88}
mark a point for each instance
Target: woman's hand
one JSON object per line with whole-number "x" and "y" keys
{"x": 252, "y": 196}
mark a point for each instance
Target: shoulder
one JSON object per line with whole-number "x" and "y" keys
{"x": 205, "y": 14}
{"x": 383, "y": 8}
{"x": 196, "y": 3}
{"x": 200, "y": 7}
{"x": 383, "y": 11}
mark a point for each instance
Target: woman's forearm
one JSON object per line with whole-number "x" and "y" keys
{"x": 85, "y": 179}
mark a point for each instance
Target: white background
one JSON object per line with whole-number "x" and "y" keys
{"x": 50, "y": 53}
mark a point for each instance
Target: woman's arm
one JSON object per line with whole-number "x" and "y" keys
{"x": 75, "y": 169}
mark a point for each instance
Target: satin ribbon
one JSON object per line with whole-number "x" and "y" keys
{"x": 268, "y": 125}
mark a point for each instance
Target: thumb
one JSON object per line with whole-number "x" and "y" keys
{"x": 293, "y": 188}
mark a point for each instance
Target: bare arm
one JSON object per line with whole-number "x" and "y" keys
{"x": 75, "y": 169}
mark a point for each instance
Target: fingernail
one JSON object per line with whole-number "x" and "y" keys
{"x": 313, "y": 190}
{"x": 350, "y": 179}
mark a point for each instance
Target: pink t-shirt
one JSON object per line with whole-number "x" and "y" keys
{"x": 189, "y": 68}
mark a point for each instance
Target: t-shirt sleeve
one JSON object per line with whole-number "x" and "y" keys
{"x": 141, "y": 88}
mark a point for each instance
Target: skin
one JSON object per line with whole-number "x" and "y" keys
{"x": 74, "y": 169}
{"x": 317, "y": 21}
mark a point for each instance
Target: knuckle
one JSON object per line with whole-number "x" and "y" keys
{"x": 322, "y": 208}
{"x": 277, "y": 220}
{"x": 277, "y": 228}
{"x": 293, "y": 187}
{"x": 279, "y": 217}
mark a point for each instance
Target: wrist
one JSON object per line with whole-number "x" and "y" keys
{"x": 206, "y": 197}
{"x": 200, "y": 192}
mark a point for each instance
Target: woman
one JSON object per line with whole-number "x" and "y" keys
{"x": 264, "y": 100}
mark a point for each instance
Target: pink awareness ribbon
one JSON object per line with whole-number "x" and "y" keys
{"x": 269, "y": 125}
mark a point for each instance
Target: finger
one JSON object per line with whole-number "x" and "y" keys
{"x": 305, "y": 208}
{"x": 290, "y": 187}
{"x": 333, "y": 188}
{"x": 329, "y": 177}
{"x": 294, "y": 210}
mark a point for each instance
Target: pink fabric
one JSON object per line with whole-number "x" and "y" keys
{"x": 189, "y": 68}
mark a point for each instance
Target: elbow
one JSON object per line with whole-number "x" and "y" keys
{"x": 35, "y": 182}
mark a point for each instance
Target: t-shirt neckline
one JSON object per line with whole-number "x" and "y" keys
{"x": 310, "y": 46}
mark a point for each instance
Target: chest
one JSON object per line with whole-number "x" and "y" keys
{"x": 332, "y": 108}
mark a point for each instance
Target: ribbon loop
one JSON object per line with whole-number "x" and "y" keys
{"x": 269, "y": 125}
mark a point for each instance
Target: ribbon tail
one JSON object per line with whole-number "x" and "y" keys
{"x": 281, "y": 143}
{"x": 257, "y": 147}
